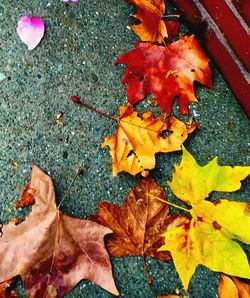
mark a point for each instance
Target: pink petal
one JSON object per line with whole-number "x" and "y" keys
{"x": 30, "y": 30}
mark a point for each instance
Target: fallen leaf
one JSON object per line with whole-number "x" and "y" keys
{"x": 127, "y": 145}
{"x": 194, "y": 188}
{"x": 30, "y": 30}
{"x": 14, "y": 164}
{"x": 52, "y": 251}
{"x": 138, "y": 223}
{"x": 243, "y": 288}
{"x": 5, "y": 289}
{"x": 15, "y": 220}
{"x": 166, "y": 71}
{"x": 173, "y": 28}
{"x": 208, "y": 238}
{"x": 150, "y": 13}
{"x": 232, "y": 287}
{"x": 26, "y": 199}
{"x": 13, "y": 294}
{"x": 59, "y": 118}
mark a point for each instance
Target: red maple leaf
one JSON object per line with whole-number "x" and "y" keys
{"x": 173, "y": 27}
{"x": 166, "y": 71}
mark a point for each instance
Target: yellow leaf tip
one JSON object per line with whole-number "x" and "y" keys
{"x": 115, "y": 292}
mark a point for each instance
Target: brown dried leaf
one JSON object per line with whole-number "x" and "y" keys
{"x": 52, "y": 251}
{"x": 138, "y": 223}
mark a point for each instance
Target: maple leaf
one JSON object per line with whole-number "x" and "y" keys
{"x": 166, "y": 71}
{"x": 173, "y": 27}
{"x": 150, "y": 13}
{"x": 138, "y": 223}
{"x": 232, "y": 287}
{"x": 208, "y": 238}
{"x": 52, "y": 251}
{"x": 127, "y": 145}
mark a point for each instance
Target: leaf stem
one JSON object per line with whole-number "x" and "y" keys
{"x": 168, "y": 203}
{"x": 149, "y": 280}
{"x": 76, "y": 99}
{"x": 163, "y": 41}
{"x": 78, "y": 173}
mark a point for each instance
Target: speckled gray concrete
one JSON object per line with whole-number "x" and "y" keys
{"x": 76, "y": 56}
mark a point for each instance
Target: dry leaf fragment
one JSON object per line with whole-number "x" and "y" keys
{"x": 173, "y": 27}
{"x": 59, "y": 118}
{"x": 138, "y": 223}
{"x": 5, "y": 291}
{"x": 169, "y": 296}
{"x": 14, "y": 164}
{"x": 13, "y": 294}
{"x": 52, "y": 251}
{"x": 150, "y": 13}
{"x": 137, "y": 139}
{"x": 26, "y": 199}
{"x": 208, "y": 238}
{"x": 167, "y": 72}
{"x": 232, "y": 287}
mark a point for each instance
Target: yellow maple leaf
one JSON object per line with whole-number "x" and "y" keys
{"x": 138, "y": 138}
{"x": 208, "y": 238}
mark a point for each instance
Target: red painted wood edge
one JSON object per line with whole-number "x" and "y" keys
{"x": 243, "y": 8}
{"x": 232, "y": 25}
{"x": 219, "y": 49}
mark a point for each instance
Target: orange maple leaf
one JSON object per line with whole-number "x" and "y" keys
{"x": 232, "y": 287}
{"x": 138, "y": 139}
{"x": 150, "y": 13}
{"x": 166, "y": 71}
